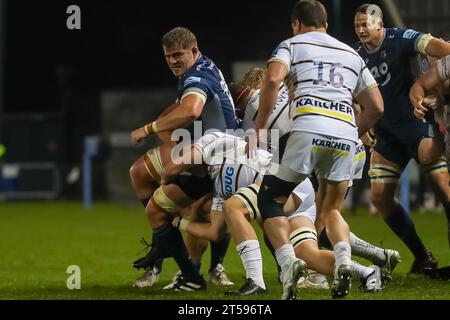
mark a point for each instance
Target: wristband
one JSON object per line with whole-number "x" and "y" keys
{"x": 146, "y": 129}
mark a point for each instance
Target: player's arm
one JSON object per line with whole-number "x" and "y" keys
{"x": 187, "y": 161}
{"x": 372, "y": 109}
{"x": 437, "y": 48}
{"x": 418, "y": 91}
{"x": 189, "y": 109}
{"x": 276, "y": 72}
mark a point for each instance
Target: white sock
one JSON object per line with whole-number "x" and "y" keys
{"x": 284, "y": 255}
{"x": 360, "y": 271}
{"x": 250, "y": 254}
{"x": 366, "y": 250}
{"x": 343, "y": 254}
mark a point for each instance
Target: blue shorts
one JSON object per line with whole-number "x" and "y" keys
{"x": 401, "y": 143}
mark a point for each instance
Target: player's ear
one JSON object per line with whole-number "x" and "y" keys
{"x": 380, "y": 24}
{"x": 194, "y": 50}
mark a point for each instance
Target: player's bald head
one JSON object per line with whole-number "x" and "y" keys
{"x": 373, "y": 12}
{"x": 310, "y": 13}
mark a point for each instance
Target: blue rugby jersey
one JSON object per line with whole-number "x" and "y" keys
{"x": 205, "y": 78}
{"x": 391, "y": 69}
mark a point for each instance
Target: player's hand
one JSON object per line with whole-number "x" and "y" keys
{"x": 369, "y": 139}
{"x": 419, "y": 109}
{"x": 138, "y": 135}
{"x": 430, "y": 102}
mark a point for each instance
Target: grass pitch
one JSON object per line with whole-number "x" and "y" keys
{"x": 38, "y": 241}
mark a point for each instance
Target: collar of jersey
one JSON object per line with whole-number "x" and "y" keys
{"x": 378, "y": 48}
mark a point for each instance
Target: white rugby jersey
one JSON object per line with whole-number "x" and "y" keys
{"x": 228, "y": 164}
{"x": 327, "y": 74}
{"x": 443, "y": 68}
{"x": 279, "y": 118}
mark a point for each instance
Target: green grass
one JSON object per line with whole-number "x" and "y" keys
{"x": 38, "y": 241}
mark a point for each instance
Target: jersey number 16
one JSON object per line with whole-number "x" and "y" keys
{"x": 336, "y": 78}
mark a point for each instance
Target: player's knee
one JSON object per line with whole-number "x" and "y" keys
{"x": 155, "y": 216}
{"x": 231, "y": 207}
{"x": 137, "y": 172}
{"x": 269, "y": 194}
{"x": 134, "y": 174}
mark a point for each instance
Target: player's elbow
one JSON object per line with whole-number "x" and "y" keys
{"x": 379, "y": 109}
{"x": 272, "y": 81}
{"x": 193, "y": 112}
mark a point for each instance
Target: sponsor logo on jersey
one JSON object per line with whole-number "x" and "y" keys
{"x": 360, "y": 148}
{"x": 409, "y": 34}
{"x": 191, "y": 80}
{"x": 337, "y": 110}
{"x": 331, "y": 144}
{"x": 228, "y": 181}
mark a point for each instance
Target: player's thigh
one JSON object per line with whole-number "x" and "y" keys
{"x": 384, "y": 177}
{"x": 430, "y": 150}
{"x": 334, "y": 195}
{"x": 172, "y": 194}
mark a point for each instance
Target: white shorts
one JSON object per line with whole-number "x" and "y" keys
{"x": 310, "y": 213}
{"x": 359, "y": 160}
{"x": 331, "y": 158}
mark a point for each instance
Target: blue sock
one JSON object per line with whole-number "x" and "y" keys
{"x": 219, "y": 249}
{"x": 170, "y": 239}
{"x": 197, "y": 264}
{"x": 401, "y": 223}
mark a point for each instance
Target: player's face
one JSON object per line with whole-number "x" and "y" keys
{"x": 179, "y": 60}
{"x": 367, "y": 28}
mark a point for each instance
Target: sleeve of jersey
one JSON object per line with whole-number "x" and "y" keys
{"x": 282, "y": 54}
{"x": 443, "y": 68}
{"x": 365, "y": 81}
{"x": 196, "y": 85}
{"x": 205, "y": 145}
{"x": 413, "y": 41}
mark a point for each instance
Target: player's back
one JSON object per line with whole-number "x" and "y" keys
{"x": 229, "y": 166}
{"x": 326, "y": 74}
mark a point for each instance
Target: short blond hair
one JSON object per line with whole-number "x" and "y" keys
{"x": 254, "y": 78}
{"x": 181, "y": 37}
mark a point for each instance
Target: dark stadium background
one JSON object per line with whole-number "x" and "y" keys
{"x": 52, "y": 78}
{"x": 119, "y": 43}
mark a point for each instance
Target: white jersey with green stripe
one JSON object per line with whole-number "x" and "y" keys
{"x": 326, "y": 74}
{"x": 228, "y": 164}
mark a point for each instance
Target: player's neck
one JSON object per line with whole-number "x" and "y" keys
{"x": 376, "y": 43}
{"x": 310, "y": 29}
